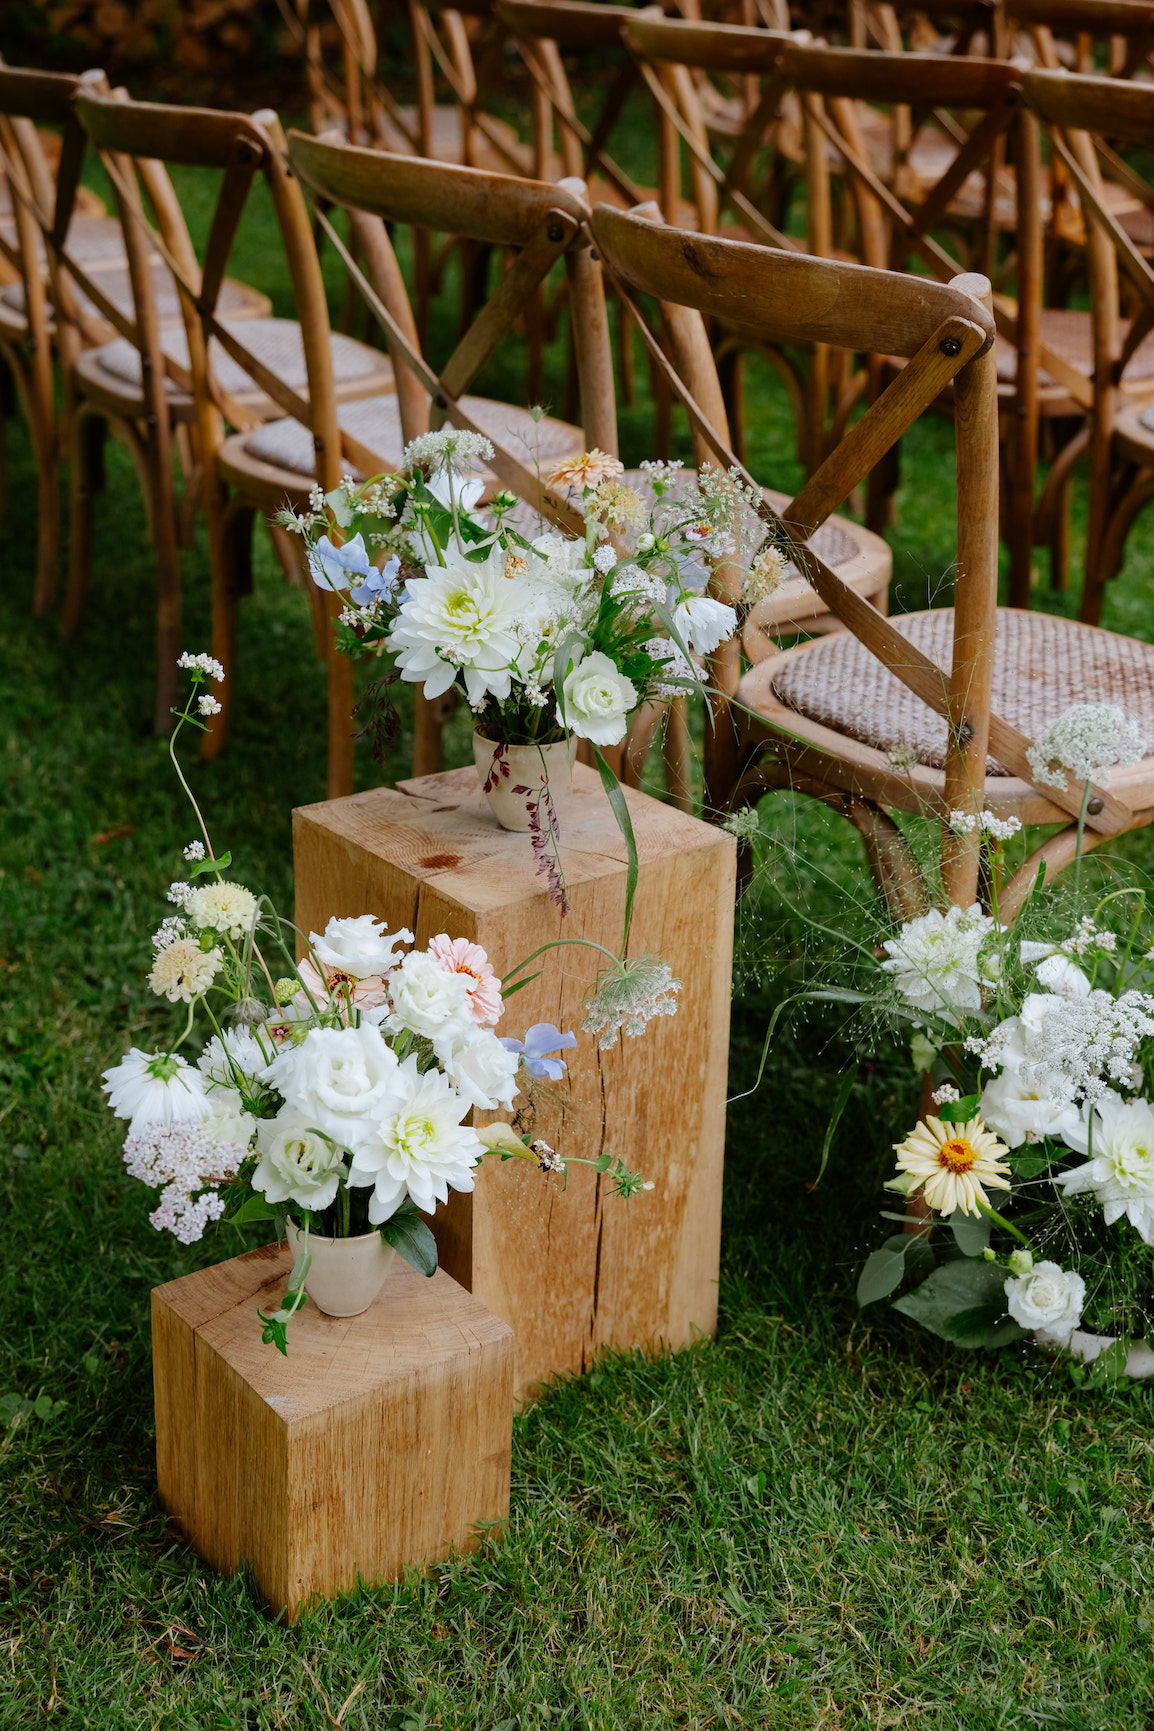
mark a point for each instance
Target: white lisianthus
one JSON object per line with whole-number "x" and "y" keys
{"x": 460, "y": 617}
{"x": 297, "y": 1163}
{"x": 224, "y": 907}
{"x": 938, "y": 963}
{"x": 1015, "y": 1109}
{"x": 1047, "y": 1298}
{"x": 483, "y": 1071}
{"x": 1064, "y": 977}
{"x": 1121, "y": 1173}
{"x": 598, "y": 699}
{"x": 420, "y": 1149}
{"x": 226, "y": 1120}
{"x": 361, "y": 947}
{"x": 704, "y": 623}
{"x": 154, "y": 1088}
{"x": 342, "y": 1080}
{"x": 428, "y": 999}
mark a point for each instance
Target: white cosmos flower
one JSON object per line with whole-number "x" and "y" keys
{"x": 342, "y": 1080}
{"x": 428, "y": 999}
{"x": 297, "y": 1164}
{"x": 462, "y": 616}
{"x": 420, "y": 1149}
{"x": 937, "y": 960}
{"x": 154, "y": 1088}
{"x": 1046, "y": 1297}
{"x": 1064, "y": 977}
{"x": 598, "y": 699}
{"x": 483, "y": 1071}
{"x": 361, "y": 947}
{"x": 237, "y": 1047}
{"x": 1121, "y": 1172}
{"x": 704, "y": 623}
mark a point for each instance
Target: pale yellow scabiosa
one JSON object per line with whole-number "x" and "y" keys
{"x": 952, "y": 1162}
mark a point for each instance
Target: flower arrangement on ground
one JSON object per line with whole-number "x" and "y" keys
{"x": 550, "y": 638}
{"x": 330, "y": 1094}
{"x": 1037, "y": 1150}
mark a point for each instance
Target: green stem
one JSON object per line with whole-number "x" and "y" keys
{"x": 556, "y": 944}
{"x": 1000, "y": 1220}
{"x": 180, "y": 773}
{"x": 1081, "y": 835}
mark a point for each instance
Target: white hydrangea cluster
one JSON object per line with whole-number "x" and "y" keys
{"x": 1088, "y": 740}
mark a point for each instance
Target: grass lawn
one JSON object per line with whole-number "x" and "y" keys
{"x": 819, "y": 1519}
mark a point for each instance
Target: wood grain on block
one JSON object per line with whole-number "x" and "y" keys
{"x": 578, "y": 1269}
{"x": 378, "y": 1443}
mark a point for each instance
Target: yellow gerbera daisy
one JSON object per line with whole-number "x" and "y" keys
{"x": 952, "y": 1162}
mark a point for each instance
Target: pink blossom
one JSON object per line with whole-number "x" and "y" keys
{"x": 366, "y": 994}
{"x": 459, "y": 956}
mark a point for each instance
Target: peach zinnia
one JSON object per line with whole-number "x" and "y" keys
{"x": 951, "y": 1162}
{"x": 586, "y": 469}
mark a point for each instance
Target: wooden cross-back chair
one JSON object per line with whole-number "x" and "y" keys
{"x": 929, "y": 713}
{"x": 1087, "y": 120}
{"x": 1075, "y": 34}
{"x": 539, "y": 226}
{"x": 957, "y": 27}
{"x": 160, "y": 387}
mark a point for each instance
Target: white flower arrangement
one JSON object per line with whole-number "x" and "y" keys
{"x": 1041, "y": 1159}
{"x": 338, "y": 1096}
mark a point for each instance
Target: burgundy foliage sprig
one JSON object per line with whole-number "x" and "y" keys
{"x": 498, "y": 768}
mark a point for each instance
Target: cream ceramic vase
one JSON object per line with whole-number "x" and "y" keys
{"x": 524, "y": 763}
{"x": 346, "y": 1273}
{"x": 1085, "y": 1348}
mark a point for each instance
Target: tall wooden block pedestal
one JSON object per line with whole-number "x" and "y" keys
{"x": 578, "y": 1269}
{"x": 379, "y": 1442}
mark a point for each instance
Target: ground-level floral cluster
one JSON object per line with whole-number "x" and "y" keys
{"x": 1039, "y": 1153}
{"x": 333, "y": 1091}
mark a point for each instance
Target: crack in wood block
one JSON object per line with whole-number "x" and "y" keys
{"x": 576, "y": 1270}
{"x": 381, "y": 1442}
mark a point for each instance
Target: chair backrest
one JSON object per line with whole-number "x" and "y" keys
{"x": 946, "y": 332}
{"x": 691, "y": 69}
{"x": 1084, "y": 119}
{"x": 1083, "y": 27}
{"x": 538, "y": 225}
{"x": 539, "y": 30}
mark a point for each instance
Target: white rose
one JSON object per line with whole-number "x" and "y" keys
{"x": 1063, "y": 976}
{"x": 1013, "y": 1109}
{"x": 597, "y": 700}
{"x": 342, "y": 1080}
{"x": 297, "y": 1164}
{"x": 428, "y": 1000}
{"x": 1046, "y": 1298}
{"x": 483, "y": 1072}
{"x": 361, "y": 946}
{"x": 704, "y": 623}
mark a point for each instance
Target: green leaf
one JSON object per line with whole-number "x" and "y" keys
{"x": 256, "y": 1207}
{"x": 274, "y": 1332}
{"x": 904, "y": 1253}
{"x": 971, "y": 1232}
{"x": 299, "y": 1274}
{"x": 839, "y": 1107}
{"x": 1107, "y": 1369}
{"x": 411, "y": 1238}
{"x": 616, "y": 798}
{"x": 959, "y": 1111}
{"x": 209, "y": 865}
{"x": 1029, "y": 1163}
{"x": 963, "y": 1302}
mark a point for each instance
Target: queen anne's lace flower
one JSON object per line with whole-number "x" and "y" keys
{"x": 1071, "y": 1049}
{"x": 1088, "y": 739}
{"x": 452, "y": 447}
{"x": 184, "y": 971}
{"x": 939, "y": 963}
{"x": 205, "y": 664}
{"x": 628, "y": 995}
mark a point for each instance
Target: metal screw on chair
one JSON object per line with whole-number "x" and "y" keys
{"x": 951, "y": 345}
{"x": 555, "y": 232}
{"x": 1094, "y": 806}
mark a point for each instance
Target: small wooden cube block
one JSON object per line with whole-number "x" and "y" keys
{"x": 379, "y": 1442}
{"x": 580, "y": 1268}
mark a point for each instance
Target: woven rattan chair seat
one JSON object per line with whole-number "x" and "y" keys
{"x": 376, "y": 422}
{"x": 276, "y": 342}
{"x": 1070, "y": 335}
{"x": 1043, "y": 664}
{"x": 235, "y": 297}
{"x": 91, "y": 239}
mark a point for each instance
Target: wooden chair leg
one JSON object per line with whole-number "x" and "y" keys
{"x": 48, "y": 533}
{"x": 678, "y": 755}
{"x": 342, "y": 745}
{"x": 230, "y": 553}
{"x": 162, "y": 516}
{"x": 85, "y": 450}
